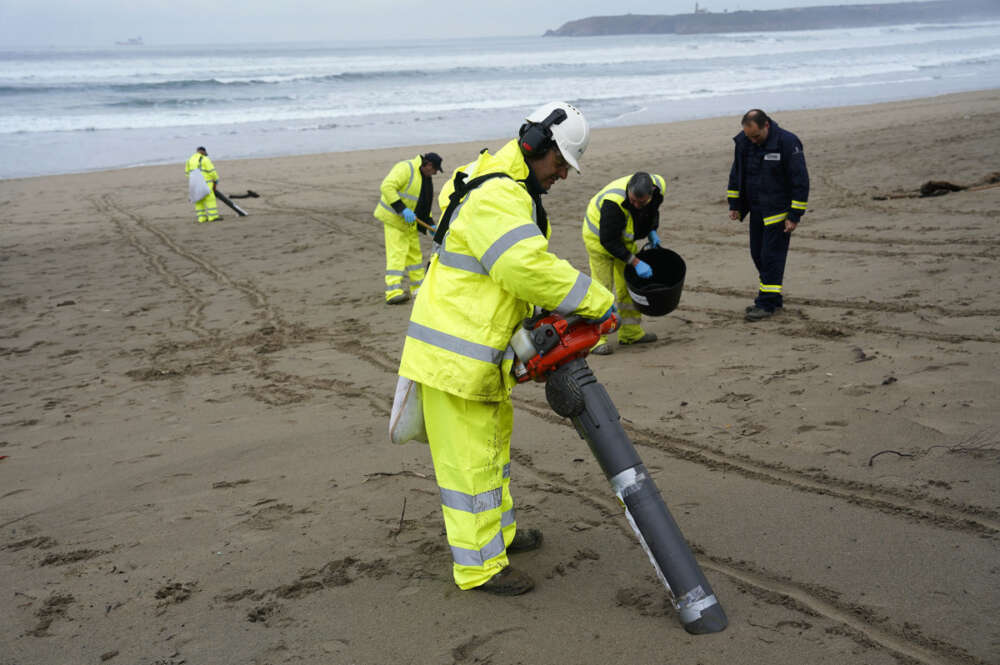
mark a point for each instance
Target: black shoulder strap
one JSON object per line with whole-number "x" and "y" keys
{"x": 461, "y": 189}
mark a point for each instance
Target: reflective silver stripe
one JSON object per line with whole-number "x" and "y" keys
{"x": 388, "y": 207}
{"x": 394, "y": 287}
{"x": 460, "y": 262}
{"x": 770, "y": 288}
{"x": 732, "y": 194}
{"x": 475, "y": 503}
{"x": 575, "y": 296}
{"x": 462, "y": 347}
{"x": 692, "y": 612}
{"x": 398, "y": 273}
{"x": 605, "y": 193}
{"x": 660, "y": 183}
{"x": 415, "y": 266}
{"x": 402, "y": 195}
{"x": 630, "y": 321}
{"x": 508, "y": 353}
{"x": 507, "y": 518}
{"x": 799, "y": 205}
{"x": 505, "y": 242}
{"x": 415, "y": 284}
{"x": 600, "y": 200}
{"x": 464, "y": 557}
{"x": 774, "y": 219}
{"x": 471, "y": 503}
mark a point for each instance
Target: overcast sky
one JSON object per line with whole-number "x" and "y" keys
{"x": 102, "y": 22}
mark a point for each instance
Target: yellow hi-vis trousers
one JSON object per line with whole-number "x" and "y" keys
{"x": 402, "y": 257}
{"x": 207, "y": 208}
{"x": 610, "y": 273}
{"x": 470, "y": 447}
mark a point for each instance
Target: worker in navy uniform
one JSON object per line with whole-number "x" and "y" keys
{"x": 770, "y": 182}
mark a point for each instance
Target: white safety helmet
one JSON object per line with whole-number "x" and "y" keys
{"x": 571, "y": 134}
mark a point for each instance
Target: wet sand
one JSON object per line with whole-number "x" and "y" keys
{"x": 193, "y": 423}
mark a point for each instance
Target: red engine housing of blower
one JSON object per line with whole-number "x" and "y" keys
{"x": 561, "y": 340}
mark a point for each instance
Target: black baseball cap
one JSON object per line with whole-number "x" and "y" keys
{"x": 434, "y": 159}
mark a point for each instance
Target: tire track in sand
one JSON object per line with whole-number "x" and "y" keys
{"x": 256, "y": 297}
{"x": 194, "y": 312}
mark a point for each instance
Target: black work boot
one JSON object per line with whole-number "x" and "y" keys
{"x": 645, "y": 339}
{"x": 508, "y": 582}
{"x": 525, "y": 540}
{"x": 759, "y": 314}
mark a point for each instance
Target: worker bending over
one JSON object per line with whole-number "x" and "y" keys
{"x": 407, "y": 193}
{"x": 625, "y": 210}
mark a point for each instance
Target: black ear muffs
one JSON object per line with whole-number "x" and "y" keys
{"x": 536, "y": 137}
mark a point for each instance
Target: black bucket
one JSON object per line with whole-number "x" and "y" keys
{"x": 659, "y": 294}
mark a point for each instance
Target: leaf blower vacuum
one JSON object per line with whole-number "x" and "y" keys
{"x": 551, "y": 349}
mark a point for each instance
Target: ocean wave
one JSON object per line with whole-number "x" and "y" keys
{"x": 181, "y": 102}
{"x": 179, "y": 84}
{"x": 21, "y": 90}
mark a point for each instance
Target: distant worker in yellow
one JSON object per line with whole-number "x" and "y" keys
{"x": 202, "y": 179}
{"x": 407, "y": 195}
{"x": 626, "y": 210}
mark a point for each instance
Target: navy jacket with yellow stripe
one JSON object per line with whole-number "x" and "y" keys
{"x": 782, "y": 182}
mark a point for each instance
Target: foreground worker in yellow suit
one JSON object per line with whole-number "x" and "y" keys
{"x": 406, "y": 196}
{"x": 625, "y": 210}
{"x": 492, "y": 267}
{"x": 202, "y": 178}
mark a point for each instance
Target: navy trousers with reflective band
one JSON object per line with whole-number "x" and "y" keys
{"x": 768, "y": 249}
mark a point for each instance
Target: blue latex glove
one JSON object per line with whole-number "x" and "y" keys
{"x": 643, "y": 270}
{"x": 409, "y": 216}
{"x": 654, "y": 240}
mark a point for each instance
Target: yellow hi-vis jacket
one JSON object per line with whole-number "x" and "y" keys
{"x": 448, "y": 188}
{"x": 401, "y": 184}
{"x": 493, "y": 265}
{"x": 615, "y": 192}
{"x": 200, "y": 162}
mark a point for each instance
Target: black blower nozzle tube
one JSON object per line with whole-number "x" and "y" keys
{"x": 573, "y": 392}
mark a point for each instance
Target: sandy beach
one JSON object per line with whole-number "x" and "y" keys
{"x": 195, "y": 465}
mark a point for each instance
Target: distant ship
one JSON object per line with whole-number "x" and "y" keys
{"x": 131, "y": 41}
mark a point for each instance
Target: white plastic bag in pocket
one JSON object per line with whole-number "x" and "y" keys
{"x": 406, "y": 422}
{"x": 197, "y": 187}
